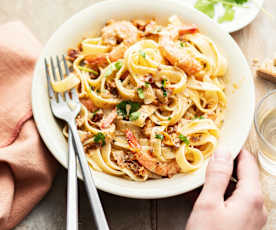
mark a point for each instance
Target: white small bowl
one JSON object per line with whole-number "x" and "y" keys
{"x": 244, "y": 14}
{"x": 238, "y": 116}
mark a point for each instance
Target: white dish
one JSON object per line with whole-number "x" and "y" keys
{"x": 243, "y": 15}
{"x": 238, "y": 117}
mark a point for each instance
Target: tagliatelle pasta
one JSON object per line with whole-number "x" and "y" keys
{"x": 152, "y": 98}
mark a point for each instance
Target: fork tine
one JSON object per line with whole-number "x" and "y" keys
{"x": 53, "y": 69}
{"x": 55, "y": 77}
{"x": 59, "y": 69}
{"x": 75, "y": 95}
{"x": 65, "y": 65}
{"x": 62, "y": 77}
{"x": 66, "y": 94}
{"x": 50, "y": 89}
{"x": 73, "y": 91}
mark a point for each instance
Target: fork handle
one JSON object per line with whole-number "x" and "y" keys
{"x": 72, "y": 187}
{"x": 93, "y": 196}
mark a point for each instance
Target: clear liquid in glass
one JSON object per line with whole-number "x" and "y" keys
{"x": 267, "y": 153}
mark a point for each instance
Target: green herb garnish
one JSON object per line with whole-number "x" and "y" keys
{"x": 228, "y": 16}
{"x": 99, "y": 138}
{"x": 164, "y": 82}
{"x": 142, "y": 53}
{"x": 159, "y": 136}
{"x": 169, "y": 118}
{"x": 118, "y": 65}
{"x": 86, "y": 69}
{"x": 234, "y": 2}
{"x": 165, "y": 94}
{"x": 134, "y": 116}
{"x": 208, "y": 7}
{"x": 121, "y": 107}
{"x": 163, "y": 88}
{"x": 147, "y": 84}
{"x": 94, "y": 113}
{"x": 181, "y": 44}
{"x": 141, "y": 93}
{"x": 184, "y": 139}
{"x": 199, "y": 118}
{"x": 112, "y": 67}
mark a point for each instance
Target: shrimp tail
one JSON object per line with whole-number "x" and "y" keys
{"x": 100, "y": 60}
{"x": 187, "y": 29}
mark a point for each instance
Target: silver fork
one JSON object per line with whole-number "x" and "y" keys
{"x": 67, "y": 108}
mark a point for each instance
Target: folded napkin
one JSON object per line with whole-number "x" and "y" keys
{"x": 26, "y": 167}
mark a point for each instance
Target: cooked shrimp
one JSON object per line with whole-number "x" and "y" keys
{"x": 103, "y": 60}
{"x": 123, "y": 33}
{"x": 120, "y": 31}
{"x": 160, "y": 168}
{"x": 177, "y": 56}
{"x": 88, "y": 104}
{"x": 108, "y": 120}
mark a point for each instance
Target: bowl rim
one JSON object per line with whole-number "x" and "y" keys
{"x": 117, "y": 190}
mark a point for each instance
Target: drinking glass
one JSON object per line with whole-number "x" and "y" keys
{"x": 265, "y": 125}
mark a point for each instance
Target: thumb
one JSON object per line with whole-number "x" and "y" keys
{"x": 218, "y": 174}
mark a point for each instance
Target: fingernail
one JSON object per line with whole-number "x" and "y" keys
{"x": 222, "y": 155}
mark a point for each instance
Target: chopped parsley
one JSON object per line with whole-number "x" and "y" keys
{"x": 118, "y": 65}
{"x": 163, "y": 88}
{"x": 121, "y": 107}
{"x": 141, "y": 93}
{"x": 199, "y": 118}
{"x": 169, "y": 118}
{"x": 164, "y": 82}
{"x": 159, "y": 136}
{"x": 86, "y": 69}
{"x": 134, "y": 116}
{"x": 99, "y": 138}
{"x": 94, "y": 113}
{"x": 165, "y": 94}
{"x": 184, "y": 139}
{"x": 112, "y": 67}
{"x": 142, "y": 53}
{"x": 181, "y": 44}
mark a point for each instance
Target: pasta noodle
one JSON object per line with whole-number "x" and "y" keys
{"x": 152, "y": 98}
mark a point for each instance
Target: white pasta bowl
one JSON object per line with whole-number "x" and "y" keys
{"x": 238, "y": 116}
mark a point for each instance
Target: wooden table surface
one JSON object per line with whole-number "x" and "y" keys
{"x": 43, "y": 17}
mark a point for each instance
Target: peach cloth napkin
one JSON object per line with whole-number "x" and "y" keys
{"x": 26, "y": 168}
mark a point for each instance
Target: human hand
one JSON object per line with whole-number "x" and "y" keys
{"x": 244, "y": 210}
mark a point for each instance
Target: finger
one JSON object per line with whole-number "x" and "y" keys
{"x": 218, "y": 174}
{"x": 248, "y": 177}
{"x": 248, "y": 171}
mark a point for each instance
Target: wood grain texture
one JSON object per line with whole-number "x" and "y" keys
{"x": 258, "y": 40}
{"x": 43, "y": 18}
